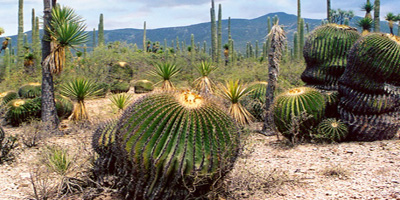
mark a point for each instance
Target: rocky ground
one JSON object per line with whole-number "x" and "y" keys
{"x": 268, "y": 168}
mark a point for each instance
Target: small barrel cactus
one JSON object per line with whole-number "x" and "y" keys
{"x": 119, "y": 87}
{"x": 6, "y": 97}
{"x": 30, "y": 90}
{"x": 143, "y": 86}
{"x": 64, "y": 106}
{"x": 170, "y": 146}
{"x": 331, "y": 130}
{"x": 332, "y": 101}
{"x": 258, "y": 90}
{"x": 255, "y": 100}
{"x": 298, "y": 110}
{"x": 369, "y": 89}
{"x": 21, "y": 110}
{"x": 325, "y": 53}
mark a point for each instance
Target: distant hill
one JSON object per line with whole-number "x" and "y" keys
{"x": 243, "y": 31}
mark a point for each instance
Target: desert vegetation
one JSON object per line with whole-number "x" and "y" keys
{"x": 86, "y": 118}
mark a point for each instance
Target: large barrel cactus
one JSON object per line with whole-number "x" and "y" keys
{"x": 325, "y": 53}
{"x": 297, "y": 111}
{"x": 21, "y": 110}
{"x": 6, "y": 97}
{"x": 30, "y": 90}
{"x": 369, "y": 89}
{"x": 169, "y": 145}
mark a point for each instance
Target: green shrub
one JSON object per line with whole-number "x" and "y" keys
{"x": 103, "y": 87}
{"x": 119, "y": 87}
{"x": 169, "y": 146}
{"x": 143, "y": 86}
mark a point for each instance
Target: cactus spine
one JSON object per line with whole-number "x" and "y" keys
{"x": 325, "y": 53}
{"x": 101, "y": 31}
{"x": 166, "y": 142}
{"x": 369, "y": 88}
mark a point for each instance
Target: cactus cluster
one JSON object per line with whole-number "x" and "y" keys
{"x": 325, "y": 53}
{"x": 168, "y": 146}
{"x": 369, "y": 88}
{"x": 298, "y": 110}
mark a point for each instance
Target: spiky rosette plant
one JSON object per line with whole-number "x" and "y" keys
{"x": 143, "y": 86}
{"x": 21, "y": 110}
{"x": 301, "y": 107}
{"x": 234, "y": 91}
{"x": 6, "y": 97}
{"x": 165, "y": 71}
{"x": 369, "y": 88}
{"x": 30, "y": 90}
{"x": 331, "y": 130}
{"x": 121, "y": 101}
{"x": 204, "y": 84}
{"x": 172, "y": 146}
{"x": 325, "y": 53}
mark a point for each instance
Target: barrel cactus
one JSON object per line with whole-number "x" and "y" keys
{"x": 30, "y": 90}
{"x": 64, "y": 106}
{"x": 170, "y": 146}
{"x": 119, "y": 87}
{"x": 297, "y": 111}
{"x": 369, "y": 89}
{"x": 325, "y": 53}
{"x": 143, "y": 86}
{"x": 6, "y": 97}
{"x": 255, "y": 100}
{"x": 21, "y": 110}
{"x": 331, "y": 130}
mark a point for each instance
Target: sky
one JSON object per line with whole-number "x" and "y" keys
{"x": 170, "y": 13}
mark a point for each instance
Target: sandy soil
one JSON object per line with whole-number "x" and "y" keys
{"x": 267, "y": 169}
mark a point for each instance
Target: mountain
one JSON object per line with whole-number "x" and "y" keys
{"x": 243, "y": 31}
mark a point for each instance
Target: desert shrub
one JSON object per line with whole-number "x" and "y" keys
{"x": 119, "y": 87}
{"x": 6, "y": 145}
{"x": 143, "y": 86}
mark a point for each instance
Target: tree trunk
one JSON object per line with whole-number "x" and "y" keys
{"x": 278, "y": 40}
{"x": 49, "y": 112}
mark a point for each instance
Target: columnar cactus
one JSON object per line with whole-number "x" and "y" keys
{"x": 369, "y": 88}
{"x": 171, "y": 145}
{"x": 296, "y": 103}
{"x": 325, "y": 53}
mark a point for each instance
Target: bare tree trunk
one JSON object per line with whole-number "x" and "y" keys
{"x": 278, "y": 40}
{"x": 49, "y": 112}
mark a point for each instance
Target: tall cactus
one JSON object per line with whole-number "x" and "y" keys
{"x": 144, "y": 38}
{"x": 20, "y": 40}
{"x": 301, "y": 38}
{"x": 377, "y": 8}
{"x": 169, "y": 146}
{"x": 369, "y": 88}
{"x": 325, "y": 53}
{"x": 94, "y": 44}
{"x": 219, "y": 38}
{"x": 213, "y": 33}
{"x": 296, "y": 47}
{"x": 328, "y": 10}
{"x": 101, "y": 31}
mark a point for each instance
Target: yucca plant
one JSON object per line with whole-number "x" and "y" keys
{"x": 234, "y": 91}
{"x": 121, "y": 101}
{"x": 204, "y": 84}
{"x": 58, "y": 159}
{"x": 143, "y": 86}
{"x": 166, "y": 71}
{"x": 367, "y": 7}
{"x": 331, "y": 130}
{"x": 80, "y": 89}
{"x": 365, "y": 24}
{"x": 171, "y": 145}
{"x": 368, "y": 89}
{"x": 391, "y": 18}
{"x": 325, "y": 53}
{"x": 30, "y": 90}
{"x": 295, "y": 103}
{"x": 6, "y": 97}
{"x": 67, "y": 30}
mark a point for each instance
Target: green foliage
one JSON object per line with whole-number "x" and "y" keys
{"x": 365, "y": 24}
{"x": 103, "y": 87}
{"x": 165, "y": 71}
{"x": 169, "y": 146}
{"x": 80, "y": 89}
{"x": 119, "y": 87}
{"x": 369, "y": 88}
{"x": 204, "y": 84}
{"x": 121, "y": 101}
{"x": 339, "y": 16}
{"x": 325, "y": 53}
{"x": 331, "y": 130}
{"x": 58, "y": 159}
{"x": 295, "y": 103}
{"x": 64, "y": 106}
{"x": 143, "y": 86}
{"x": 30, "y": 90}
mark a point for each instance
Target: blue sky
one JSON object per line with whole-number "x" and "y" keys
{"x": 168, "y": 13}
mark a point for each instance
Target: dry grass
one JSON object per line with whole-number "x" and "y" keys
{"x": 336, "y": 171}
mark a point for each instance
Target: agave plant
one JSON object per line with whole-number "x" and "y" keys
{"x": 67, "y": 30}
{"x": 121, "y": 101}
{"x": 165, "y": 71}
{"x": 234, "y": 91}
{"x": 80, "y": 89}
{"x": 203, "y": 84}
